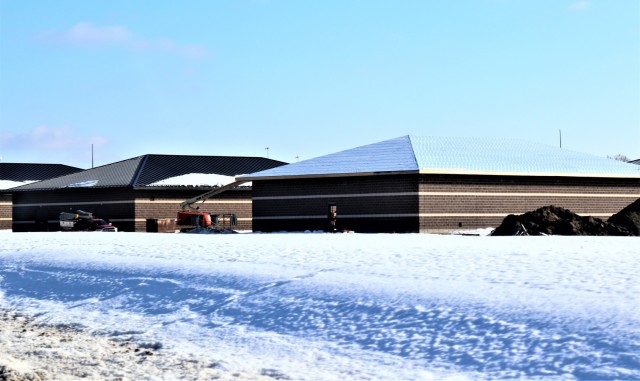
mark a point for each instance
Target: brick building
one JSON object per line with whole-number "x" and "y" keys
{"x": 129, "y": 193}
{"x": 434, "y": 184}
{"x": 16, "y": 174}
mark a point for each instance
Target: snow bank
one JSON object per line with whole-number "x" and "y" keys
{"x": 8, "y": 184}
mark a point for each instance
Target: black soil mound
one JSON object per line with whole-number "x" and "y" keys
{"x": 628, "y": 218}
{"x": 553, "y": 220}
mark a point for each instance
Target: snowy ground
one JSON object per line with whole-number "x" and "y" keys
{"x": 322, "y": 306}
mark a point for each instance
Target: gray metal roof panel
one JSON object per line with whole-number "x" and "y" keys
{"x": 34, "y": 172}
{"x": 119, "y": 174}
{"x": 455, "y": 156}
{"x": 511, "y": 156}
{"x": 393, "y": 155}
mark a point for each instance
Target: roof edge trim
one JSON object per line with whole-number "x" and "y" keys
{"x": 444, "y": 171}
{"x": 315, "y": 176}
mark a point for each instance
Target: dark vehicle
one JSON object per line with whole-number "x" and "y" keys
{"x": 84, "y": 221}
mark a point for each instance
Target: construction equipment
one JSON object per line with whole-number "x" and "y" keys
{"x": 191, "y": 220}
{"x": 84, "y": 221}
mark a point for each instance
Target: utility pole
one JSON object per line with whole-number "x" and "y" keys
{"x": 92, "y": 155}
{"x": 267, "y": 152}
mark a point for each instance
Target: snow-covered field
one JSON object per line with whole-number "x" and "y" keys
{"x": 336, "y": 306}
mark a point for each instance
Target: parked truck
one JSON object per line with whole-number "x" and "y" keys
{"x": 84, "y": 221}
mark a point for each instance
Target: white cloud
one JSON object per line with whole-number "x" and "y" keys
{"x": 580, "y": 6}
{"x": 87, "y": 34}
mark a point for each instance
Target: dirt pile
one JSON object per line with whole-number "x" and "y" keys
{"x": 628, "y": 218}
{"x": 553, "y": 220}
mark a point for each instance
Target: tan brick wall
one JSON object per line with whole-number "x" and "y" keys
{"x": 453, "y": 202}
{"x": 168, "y": 208}
{"x": 6, "y": 214}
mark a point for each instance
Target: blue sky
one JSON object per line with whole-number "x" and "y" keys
{"x": 308, "y": 78}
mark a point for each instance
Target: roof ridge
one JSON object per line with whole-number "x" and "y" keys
{"x": 139, "y": 170}
{"x": 413, "y": 151}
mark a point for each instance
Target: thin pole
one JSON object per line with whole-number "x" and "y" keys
{"x": 560, "y": 131}
{"x": 91, "y": 155}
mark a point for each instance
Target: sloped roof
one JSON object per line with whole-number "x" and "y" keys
{"x": 449, "y": 155}
{"x": 142, "y": 171}
{"x": 33, "y": 172}
{"x": 635, "y": 162}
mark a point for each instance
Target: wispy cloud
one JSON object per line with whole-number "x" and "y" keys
{"x": 44, "y": 138}
{"x": 579, "y": 6}
{"x": 86, "y": 34}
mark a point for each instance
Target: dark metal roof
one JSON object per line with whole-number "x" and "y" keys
{"x": 144, "y": 170}
{"x": 159, "y": 167}
{"x": 34, "y": 172}
{"x": 637, "y": 161}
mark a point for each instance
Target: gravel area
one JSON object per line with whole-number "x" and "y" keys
{"x": 31, "y": 351}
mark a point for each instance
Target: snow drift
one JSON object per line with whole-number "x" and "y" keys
{"x": 343, "y": 306}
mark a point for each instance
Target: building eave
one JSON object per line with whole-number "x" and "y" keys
{"x": 186, "y": 187}
{"x": 326, "y": 175}
{"x": 439, "y": 171}
{"x": 527, "y": 174}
